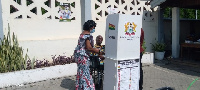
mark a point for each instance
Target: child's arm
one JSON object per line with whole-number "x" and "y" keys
{"x": 101, "y": 57}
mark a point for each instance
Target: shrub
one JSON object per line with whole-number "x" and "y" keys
{"x": 144, "y": 46}
{"x": 159, "y": 47}
{"x": 11, "y": 54}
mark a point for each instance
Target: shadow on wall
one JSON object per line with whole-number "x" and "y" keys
{"x": 150, "y": 27}
{"x": 1, "y": 32}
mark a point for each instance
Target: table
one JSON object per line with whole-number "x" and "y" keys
{"x": 189, "y": 45}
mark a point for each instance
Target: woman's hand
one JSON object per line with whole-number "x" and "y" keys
{"x": 90, "y": 48}
{"x": 101, "y": 53}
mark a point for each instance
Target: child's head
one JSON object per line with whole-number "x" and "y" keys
{"x": 99, "y": 40}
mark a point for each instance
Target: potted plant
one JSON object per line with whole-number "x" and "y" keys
{"x": 144, "y": 46}
{"x": 159, "y": 49}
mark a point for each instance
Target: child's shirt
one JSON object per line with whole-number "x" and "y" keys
{"x": 102, "y": 48}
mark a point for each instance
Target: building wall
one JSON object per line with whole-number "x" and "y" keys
{"x": 45, "y": 36}
{"x": 133, "y": 7}
{"x": 1, "y": 22}
{"x": 151, "y": 32}
{"x": 186, "y": 26}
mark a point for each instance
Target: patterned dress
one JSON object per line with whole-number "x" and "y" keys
{"x": 84, "y": 80}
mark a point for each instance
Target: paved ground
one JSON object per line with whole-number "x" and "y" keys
{"x": 176, "y": 74}
{"x": 173, "y": 75}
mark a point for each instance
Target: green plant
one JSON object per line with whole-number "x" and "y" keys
{"x": 11, "y": 55}
{"x": 159, "y": 47}
{"x": 144, "y": 46}
{"x": 32, "y": 63}
{"x": 185, "y": 13}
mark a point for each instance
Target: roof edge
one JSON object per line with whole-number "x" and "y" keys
{"x": 155, "y": 3}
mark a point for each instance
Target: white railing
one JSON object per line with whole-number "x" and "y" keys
{"x": 29, "y": 21}
{"x": 25, "y": 9}
{"x": 133, "y": 7}
{"x": 99, "y": 10}
{"x": 42, "y": 33}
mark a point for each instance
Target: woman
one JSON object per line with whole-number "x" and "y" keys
{"x": 84, "y": 80}
{"x": 141, "y": 54}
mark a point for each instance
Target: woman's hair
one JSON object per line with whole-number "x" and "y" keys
{"x": 89, "y": 24}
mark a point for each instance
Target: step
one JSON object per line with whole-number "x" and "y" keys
{"x": 18, "y": 78}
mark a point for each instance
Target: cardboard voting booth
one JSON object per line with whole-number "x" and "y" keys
{"x": 122, "y": 47}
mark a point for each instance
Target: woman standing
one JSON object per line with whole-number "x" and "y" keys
{"x": 85, "y": 45}
{"x": 141, "y": 54}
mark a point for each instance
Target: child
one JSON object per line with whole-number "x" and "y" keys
{"x": 98, "y": 45}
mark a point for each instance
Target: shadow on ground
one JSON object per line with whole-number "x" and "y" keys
{"x": 68, "y": 83}
{"x": 189, "y": 67}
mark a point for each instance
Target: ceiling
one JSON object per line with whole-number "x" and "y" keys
{"x": 192, "y": 4}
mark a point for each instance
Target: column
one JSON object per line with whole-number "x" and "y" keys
{"x": 53, "y": 9}
{"x": 88, "y": 9}
{"x": 24, "y": 8}
{"x": 160, "y": 26}
{"x": 175, "y": 32}
{"x": 85, "y": 11}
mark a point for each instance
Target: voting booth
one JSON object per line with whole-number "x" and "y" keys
{"x": 122, "y": 57}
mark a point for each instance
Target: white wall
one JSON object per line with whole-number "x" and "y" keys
{"x": 1, "y": 22}
{"x": 151, "y": 31}
{"x": 150, "y": 20}
{"x": 43, "y": 36}
{"x": 20, "y": 78}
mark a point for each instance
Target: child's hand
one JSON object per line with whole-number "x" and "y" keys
{"x": 101, "y": 57}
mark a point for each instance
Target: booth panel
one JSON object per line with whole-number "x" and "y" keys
{"x": 110, "y": 75}
{"x": 111, "y": 36}
{"x": 129, "y": 37}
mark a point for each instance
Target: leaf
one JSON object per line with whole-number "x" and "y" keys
{"x": 160, "y": 47}
{"x": 32, "y": 62}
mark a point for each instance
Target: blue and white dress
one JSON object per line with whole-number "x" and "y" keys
{"x": 84, "y": 80}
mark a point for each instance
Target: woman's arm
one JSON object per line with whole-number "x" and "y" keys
{"x": 91, "y": 49}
